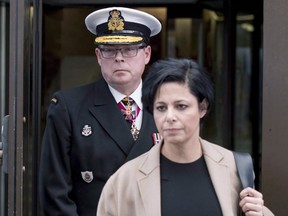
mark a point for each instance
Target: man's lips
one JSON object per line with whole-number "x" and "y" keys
{"x": 120, "y": 70}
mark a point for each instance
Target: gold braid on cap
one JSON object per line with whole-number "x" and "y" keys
{"x": 118, "y": 38}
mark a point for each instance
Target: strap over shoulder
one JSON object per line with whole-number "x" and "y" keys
{"x": 245, "y": 168}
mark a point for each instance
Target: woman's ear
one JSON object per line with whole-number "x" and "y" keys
{"x": 203, "y": 107}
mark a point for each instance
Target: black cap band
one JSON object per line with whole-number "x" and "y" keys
{"x": 131, "y": 29}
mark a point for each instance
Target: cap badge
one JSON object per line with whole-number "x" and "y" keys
{"x": 87, "y": 176}
{"x": 115, "y": 20}
{"x": 87, "y": 130}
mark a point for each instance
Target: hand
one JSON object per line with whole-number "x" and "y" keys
{"x": 251, "y": 202}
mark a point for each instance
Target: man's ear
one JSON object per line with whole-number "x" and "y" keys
{"x": 203, "y": 107}
{"x": 147, "y": 54}
{"x": 98, "y": 56}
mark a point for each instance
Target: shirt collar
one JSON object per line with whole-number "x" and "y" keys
{"x": 136, "y": 95}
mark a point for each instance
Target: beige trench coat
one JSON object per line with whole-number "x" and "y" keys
{"x": 134, "y": 190}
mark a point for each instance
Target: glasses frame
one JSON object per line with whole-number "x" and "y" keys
{"x": 121, "y": 51}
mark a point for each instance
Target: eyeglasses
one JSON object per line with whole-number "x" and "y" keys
{"x": 128, "y": 52}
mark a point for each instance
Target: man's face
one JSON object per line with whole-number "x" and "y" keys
{"x": 122, "y": 66}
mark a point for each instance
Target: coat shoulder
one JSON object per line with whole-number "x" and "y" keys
{"x": 216, "y": 151}
{"x": 74, "y": 97}
{"x": 74, "y": 93}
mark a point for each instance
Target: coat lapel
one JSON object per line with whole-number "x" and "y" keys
{"x": 149, "y": 185}
{"x": 220, "y": 176}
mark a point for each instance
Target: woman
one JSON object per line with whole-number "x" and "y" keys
{"x": 184, "y": 175}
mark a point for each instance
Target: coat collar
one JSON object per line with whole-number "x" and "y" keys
{"x": 150, "y": 187}
{"x": 220, "y": 176}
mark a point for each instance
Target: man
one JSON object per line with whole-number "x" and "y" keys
{"x": 90, "y": 130}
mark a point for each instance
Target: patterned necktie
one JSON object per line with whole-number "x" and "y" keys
{"x": 130, "y": 111}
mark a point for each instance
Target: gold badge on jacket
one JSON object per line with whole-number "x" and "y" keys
{"x": 87, "y": 176}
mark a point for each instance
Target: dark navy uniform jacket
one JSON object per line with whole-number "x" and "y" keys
{"x": 85, "y": 141}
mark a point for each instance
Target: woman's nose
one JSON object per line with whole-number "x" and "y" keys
{"x": 170, "y": 115}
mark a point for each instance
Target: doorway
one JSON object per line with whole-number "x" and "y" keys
{"x": 63, "y": 49}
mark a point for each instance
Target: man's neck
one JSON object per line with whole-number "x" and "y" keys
{"x": 126, "y": 89}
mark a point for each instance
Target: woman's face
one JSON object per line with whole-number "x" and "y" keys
{"x": 177, "y": 114}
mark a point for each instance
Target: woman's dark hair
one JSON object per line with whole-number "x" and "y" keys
{"x": 181, "y": 70}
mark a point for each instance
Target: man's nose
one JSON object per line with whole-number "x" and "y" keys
{"x": 119, "y": 55}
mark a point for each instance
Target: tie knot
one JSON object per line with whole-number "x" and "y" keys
{"x": 127, "y": 101}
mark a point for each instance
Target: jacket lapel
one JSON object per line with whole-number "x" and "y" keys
{"x": 145, "y": 139}
{"x": 107, "y": 113}
{"x": 220, "y": 176}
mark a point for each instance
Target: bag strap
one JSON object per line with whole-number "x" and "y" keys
{"x": 244, "y": 166}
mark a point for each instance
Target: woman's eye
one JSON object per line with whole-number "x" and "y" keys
{"x": 181, "y": 106}
{"x": 160, "y": 108}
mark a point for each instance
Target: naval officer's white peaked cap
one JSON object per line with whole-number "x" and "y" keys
{"x": 120, "y": 25}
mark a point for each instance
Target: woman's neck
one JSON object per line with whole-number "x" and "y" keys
{"x": 182, "y": 154}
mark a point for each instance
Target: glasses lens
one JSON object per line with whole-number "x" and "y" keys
{"x": 129, "y": 51}
{"x": 108, "y": 52}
